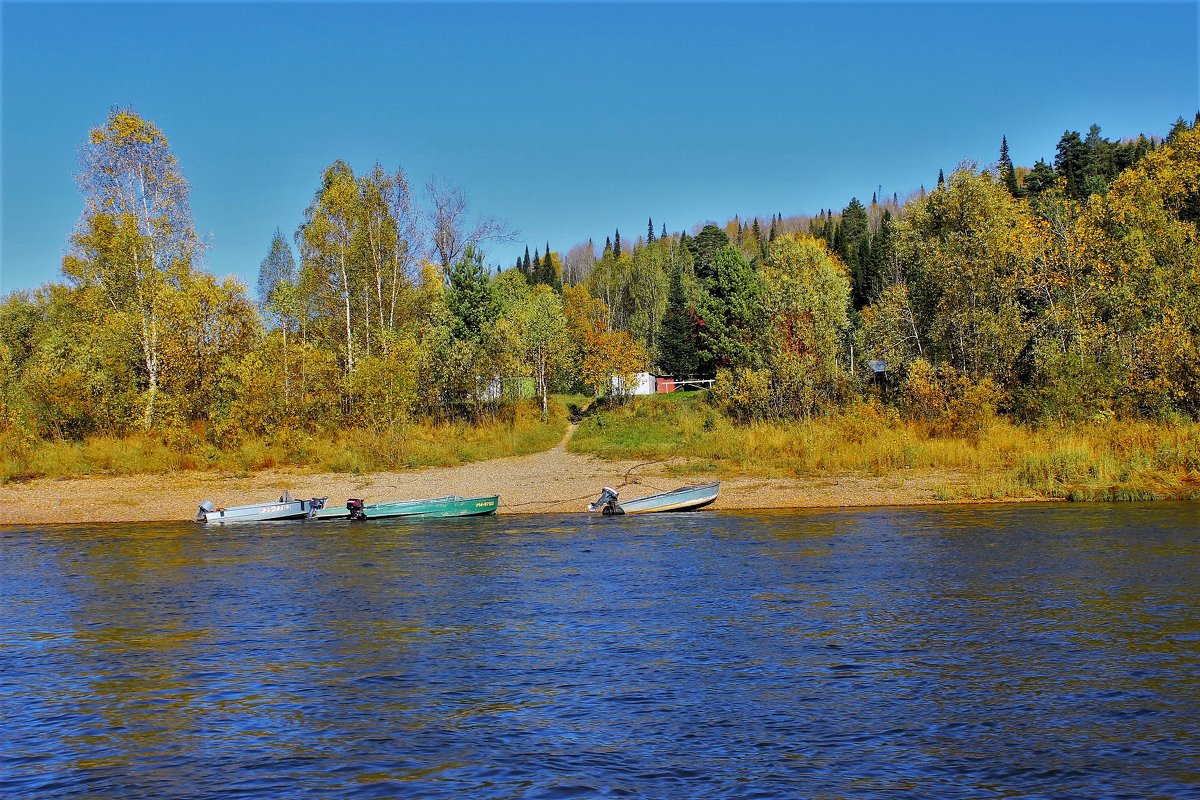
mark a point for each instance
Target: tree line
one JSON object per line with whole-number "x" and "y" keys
{"x": 1064, "y": 290}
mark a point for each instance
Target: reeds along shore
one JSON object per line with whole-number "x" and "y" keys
{"x": 993, "y": 460}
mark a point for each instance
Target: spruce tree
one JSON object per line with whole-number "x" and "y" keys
{"x": 528, "y": 269}
{"x": 677, "y": 350}
{"x": 1070, "y": 161}
{"x": 883, "y": 246}
{"x": 1179, "y": 127}
{"x": 852, "y": 245}
{"x": 663, "y": 235}
{"x": 547, "y": 274}
{"x": 1008, "y": 173}
{"x": 941, "y": 179}
{"x": 1005, "y": 163}
{"x": 650, "y": 230}
{"x": 617, "y": 244}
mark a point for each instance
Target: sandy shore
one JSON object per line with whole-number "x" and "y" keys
{"x": 547, "y": 482}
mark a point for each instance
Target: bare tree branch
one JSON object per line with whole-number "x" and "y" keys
{"x": 450, "y": 228}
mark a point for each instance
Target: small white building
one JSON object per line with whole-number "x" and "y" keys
{"x": 644, "y": 383}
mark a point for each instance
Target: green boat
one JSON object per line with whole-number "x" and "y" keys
{"x": 449, "y": 506}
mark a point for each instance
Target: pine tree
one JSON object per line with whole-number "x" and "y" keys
{"x": 704, "y": 249}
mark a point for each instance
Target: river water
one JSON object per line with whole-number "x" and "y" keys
{"x": 1016, "y": 651}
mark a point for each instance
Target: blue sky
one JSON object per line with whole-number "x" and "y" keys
{"x": 566, "y": 120}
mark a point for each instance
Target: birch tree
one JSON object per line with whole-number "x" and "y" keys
{"x": 136, "y": 239}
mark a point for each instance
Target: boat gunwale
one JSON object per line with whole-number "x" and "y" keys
{"x": 700, "y": 496}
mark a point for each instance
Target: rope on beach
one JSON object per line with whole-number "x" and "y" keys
{"x": 626, "y": 481}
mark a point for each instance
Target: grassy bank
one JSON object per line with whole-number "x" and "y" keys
{"x": 353, "y": 451}
{"x": 1110, "y": 460}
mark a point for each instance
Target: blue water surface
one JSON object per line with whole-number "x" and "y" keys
{"x": 969, "y": 652}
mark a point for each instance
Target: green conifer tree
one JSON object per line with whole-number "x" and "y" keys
{"x": 1008, "y": 172}
{"x": 678, "y": 354}
{"x": 1070, "y": 161}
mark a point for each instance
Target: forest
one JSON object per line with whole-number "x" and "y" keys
{"x": 1063, "y": 293}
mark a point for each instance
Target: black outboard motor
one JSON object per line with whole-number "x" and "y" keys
{"x": 355, "y": 507}
{"x": 607, "y": 501}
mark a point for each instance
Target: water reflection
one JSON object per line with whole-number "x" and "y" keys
{"x": 962, "y": 652}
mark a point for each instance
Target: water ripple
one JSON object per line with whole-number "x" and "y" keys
{"x": 1041, "y": 651}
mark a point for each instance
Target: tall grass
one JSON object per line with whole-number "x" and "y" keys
{"x": 1116, "y": 460}
{"x": 352, "y": 450}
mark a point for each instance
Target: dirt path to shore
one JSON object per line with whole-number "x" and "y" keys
{"x": 548, "y": 482}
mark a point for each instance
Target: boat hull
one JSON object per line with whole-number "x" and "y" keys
{"x": 687, "y": 498}
{"x": 450, "y": 506}
{"x": 258, "y": 512}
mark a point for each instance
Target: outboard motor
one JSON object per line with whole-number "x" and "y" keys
{"x": 315, "y": 505}
{"x": 205, "y": 509}
{"x": 355, "y": 507}
{"x": 607, "y": 501}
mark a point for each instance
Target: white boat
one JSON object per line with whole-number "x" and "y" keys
{"x": 685, "y": 498}
{"x": 284, "y": 508}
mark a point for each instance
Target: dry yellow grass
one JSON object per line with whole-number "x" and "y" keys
{"x": 1113, "y": 460}
{"x": 350, "y": 451}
